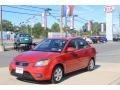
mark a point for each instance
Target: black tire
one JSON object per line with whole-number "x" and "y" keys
{"x": 54, "y": 78}
{"x": 91, "y": 65}
{"x": 15, "y": 46}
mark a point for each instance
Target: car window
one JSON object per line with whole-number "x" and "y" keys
{"x": 24, "y": 35}
{"x": 73, "y": 43}
{"x": 51, "y": 45}
{"x": 82, "y": 43}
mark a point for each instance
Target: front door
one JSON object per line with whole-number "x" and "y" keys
{"x": 71, "y": 59}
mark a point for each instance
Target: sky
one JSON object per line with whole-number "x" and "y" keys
{"x": 84, "y": 12}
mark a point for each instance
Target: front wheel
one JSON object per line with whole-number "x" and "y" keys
{"x": 57, "y": 74}
{"x": 91, "y": 65}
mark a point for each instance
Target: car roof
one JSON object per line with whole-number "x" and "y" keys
{"x": 66, "y": 38}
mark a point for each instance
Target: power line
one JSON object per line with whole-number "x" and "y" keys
{"x": 33, "y": 10}
{"x": 33, "y": 7}
{"x": 20, "y": 12}
{"x": 55, "y": 17}
{"x": 28, "y": 9}
{"x": 79, "y": 21}
{"x": 38, "y": 7}
{"x": 83, "y": 19}
{"x": 21, "y": 8}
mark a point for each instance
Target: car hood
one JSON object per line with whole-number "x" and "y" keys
{"x": 33, "y": 56}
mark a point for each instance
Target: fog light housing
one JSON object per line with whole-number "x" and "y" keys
{"x": 39, "y": 75}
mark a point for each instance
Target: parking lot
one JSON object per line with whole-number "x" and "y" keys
{"x": 107, "y": 69}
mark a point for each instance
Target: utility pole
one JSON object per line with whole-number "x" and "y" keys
{"x": 45, "y": 18}
{"x": 1, "y": 40}
{"x": 61, "y": 29}
{"x": 66, "y": 25}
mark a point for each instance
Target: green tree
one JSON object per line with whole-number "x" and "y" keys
{"x": 37, "y": 30}
{"x": 23, "y": 28}
{"x": 29, "y": 29}
{"x": 84, "y": 27}
{"x": 16, "y": 29}
{"x": 55, "y": 27}
{"x": 96, "y": 28}
{"x": 7, "y": 25}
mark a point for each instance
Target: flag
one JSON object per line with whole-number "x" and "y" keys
{"x": 70, "y": 9}
{"x": 72, "y": 22}
{"x": 64, "y": 9}
{"x": 89, "y": 25}
{"x": 67, "y": 10}
{"x": 44, "y": 20}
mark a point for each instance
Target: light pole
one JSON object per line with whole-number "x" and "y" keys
{"x": 1, "y": 40}
{"x": 45, "y": 13}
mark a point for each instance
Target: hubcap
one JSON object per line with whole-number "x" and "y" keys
{"x": 58, "y": 74}
{"x": 91, "y": 66}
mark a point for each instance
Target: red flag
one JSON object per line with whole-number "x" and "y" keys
{"x": 70, "y": 10}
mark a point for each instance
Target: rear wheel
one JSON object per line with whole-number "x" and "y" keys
{"x": 57, "y": 74}
{"x": 91, "y": 65}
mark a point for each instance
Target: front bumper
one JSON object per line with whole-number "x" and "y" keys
{"x": 32, "y": 72}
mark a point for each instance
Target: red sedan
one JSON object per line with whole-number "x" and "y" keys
{"x": 52, "y": 58}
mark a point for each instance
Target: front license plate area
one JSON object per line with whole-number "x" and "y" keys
{"x": 19, "y": 70}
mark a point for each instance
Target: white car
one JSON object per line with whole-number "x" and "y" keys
{"x": 89, "y": 40}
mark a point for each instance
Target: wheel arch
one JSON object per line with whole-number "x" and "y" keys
{"x": 93, "y": 58}
{"x": 59, "y": 64}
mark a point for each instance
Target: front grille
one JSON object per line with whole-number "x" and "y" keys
{"x": 24, "y": 64}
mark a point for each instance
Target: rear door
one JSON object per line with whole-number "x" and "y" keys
{"x": 83, "y": 53}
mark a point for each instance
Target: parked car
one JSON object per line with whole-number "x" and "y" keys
{"x": 89, "y": 40}
{"x": 102, "y": 39}
{"x": 22, "y": 38}
{"x": 94, "y": 39}
{"x": 53, "y": 58}
{"x": 116, "y": 38}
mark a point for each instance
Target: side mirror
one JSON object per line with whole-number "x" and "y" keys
{"x": 70, "y": 49}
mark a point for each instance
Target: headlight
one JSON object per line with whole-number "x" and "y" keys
{"x": 42, "y": 63}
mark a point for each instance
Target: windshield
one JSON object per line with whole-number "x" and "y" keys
{"x": 51, "y": 45}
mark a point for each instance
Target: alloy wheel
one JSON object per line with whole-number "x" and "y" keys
{"x": 57, "y": 75}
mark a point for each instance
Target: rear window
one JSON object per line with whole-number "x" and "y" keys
{"x": 25, "y": 35}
